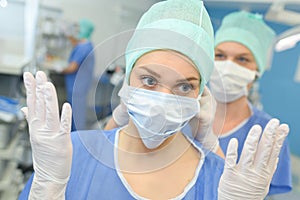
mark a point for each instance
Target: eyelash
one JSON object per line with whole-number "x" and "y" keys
{"x": 219, "y": 55}
{"x": 179, "y": 90}
{"x": 144, "y": 79}
{"x": 243, "y": 59}
{"x": 240, "y": 59}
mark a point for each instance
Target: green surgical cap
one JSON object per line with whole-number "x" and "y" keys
{"x": 180, "y": 25}
{"x": 251, "y": 31}
{"x": 86, "y": 28}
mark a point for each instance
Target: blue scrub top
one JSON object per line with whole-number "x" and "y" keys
{"x": 93, "y": 173}
{"x": 79, "y": 82}
{"x": 83, "y": 55}
{"x": 282, "y": 179}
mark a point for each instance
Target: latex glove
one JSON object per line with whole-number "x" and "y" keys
{"x": 49, "y": 137}
{"x": 250, "y": 178}
{"x": 202, "y": 123}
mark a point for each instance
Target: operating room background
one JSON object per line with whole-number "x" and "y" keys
{"x": 278, "y": 89}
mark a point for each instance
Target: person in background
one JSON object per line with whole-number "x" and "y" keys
{"x": 167, "y": 68}
{"x": 242, "y": 48}
{"x": 79, "y": 73}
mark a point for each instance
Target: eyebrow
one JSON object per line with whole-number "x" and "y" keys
{"x": 150, "y": 71}
{"x": 242, "y": 54}
{"x": 180, "y": 80}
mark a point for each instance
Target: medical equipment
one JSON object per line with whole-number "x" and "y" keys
{"x": 11, "y": 149}
{"x": 288, "y": 39}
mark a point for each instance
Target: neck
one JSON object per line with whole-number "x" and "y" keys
{"x": 135, "y": 156}
{"x": 131, "y": 141}
{"x": 229, "y": 115}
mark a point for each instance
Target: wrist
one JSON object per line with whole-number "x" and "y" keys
{"x": 44, "y": 189}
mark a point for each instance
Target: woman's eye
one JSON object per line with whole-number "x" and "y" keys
{"x": 185, "y": 88}
{"x": 220, "y": 56}
{"x": 243, "y": 59}
{"x": 149, "y": 81}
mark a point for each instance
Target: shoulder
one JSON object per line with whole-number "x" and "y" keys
{"x": 215, "y": 162}
{"x": 93, "y": 142}
{"x": 211, "y": 160}
{"x": 207, "y": 183}
{"x": 78, "y": 136}
{"x": 92, "y": 149}
{"x": 85, "y": 45}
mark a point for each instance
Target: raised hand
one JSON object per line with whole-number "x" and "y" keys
{"x": 49, "y": 137}
{"x": 250, "y": 178}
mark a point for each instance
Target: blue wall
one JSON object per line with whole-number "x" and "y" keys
{"x": 280, "y": 94}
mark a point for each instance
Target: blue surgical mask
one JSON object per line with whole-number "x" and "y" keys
{"x": 157, "y": 115}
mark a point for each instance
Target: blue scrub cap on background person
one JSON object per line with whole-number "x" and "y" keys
{"x": 86, "y": 28}
{"x": 251, "y": 31}
{"x": 182, "y": 26}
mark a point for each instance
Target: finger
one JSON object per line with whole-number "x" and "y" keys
{"x": 66, "y": 118}
{"x": 52, "y": 112}
{"x": 250, "y": 146}
{"x": 208, "y": 104}
{"x": 205, "y": 92}
{"x": 266, "y": 144}
{"x": 281, "y": 134}
{"x": 232, "y": 154}
{"x": 29, "y": 83}
{"x": 25, "y": 112}
{"x": 41, "y": 79}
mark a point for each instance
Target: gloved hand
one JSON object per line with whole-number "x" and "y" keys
{"x": 202, "y": 124}
{"x": 250, "y": 178}
{"x": 49, "y": 137}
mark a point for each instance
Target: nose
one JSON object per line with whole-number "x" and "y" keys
{"x": 230, "y": 58}
{"x": 165, "y": 89}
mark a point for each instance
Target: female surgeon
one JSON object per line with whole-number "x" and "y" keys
{"x": 241, "y": 54}
{"x": 242, "y": 46}
{"x": 169, "y": 59}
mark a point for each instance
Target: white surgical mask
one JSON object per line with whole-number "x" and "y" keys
{"x": 229, "y": 81}
{"x": 157, "y": 115}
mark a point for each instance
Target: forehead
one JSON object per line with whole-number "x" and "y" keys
{"x": 233, "y": 48}
{"x": 168, "y": 60}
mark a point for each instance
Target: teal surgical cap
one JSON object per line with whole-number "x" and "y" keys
{"x": 251, "y": 31}
{"x": 180, "y": 25}
{"x": 86, "y": 28}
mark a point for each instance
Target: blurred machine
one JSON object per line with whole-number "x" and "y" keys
{"x": 13, "y": 135}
